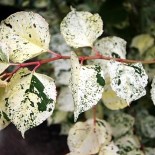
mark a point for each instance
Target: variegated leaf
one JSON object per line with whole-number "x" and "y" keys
{"x": 80, "y": 28}
{"x": 30, "y": 98}
{"x": 128, "y": 81}
{"x": 86, "y": 85}
{"x": 26, "y": 33}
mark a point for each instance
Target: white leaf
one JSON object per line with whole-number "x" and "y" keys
{"x": 3, "y": 66}
{"x": 127, "y": 144}
{"x": 121, "y": 123}
{"x": 111, "y": 100}
{"x": 4, "y": 120}
{"x": 128, "y": 81}
{"x": 81, "y": 28}
{"x": 30, "y": 99}
{"x": 111, "y": 47}
{"x": 87, "y": 138}
{"x": 65, "y": 100}
{"x": 26, "y": 33}
{"x": 153, "y": 90}
{"x": 4, "y": 52}
{"x": 110, "y": 149}
{"x": 86, "y": 85}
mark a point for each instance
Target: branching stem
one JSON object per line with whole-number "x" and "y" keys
{"x": 97, "y": 55}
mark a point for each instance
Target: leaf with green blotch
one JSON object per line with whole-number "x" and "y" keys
{"x": 26, "y": 33}
{"x": 4, "y": 120}
{"x": 81, "y": 28}
{"x": 3, "y": 66}
{"x": 128, "y": 81}
{"x": 30, "y": 98}
{"x": 86, "y": 84}
{"x": 84, "y": 138}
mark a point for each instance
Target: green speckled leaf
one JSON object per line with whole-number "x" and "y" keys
{"x": 4, "y": 120}
{"x": 121, "y": 123}
{"x": 84, "y": 138}
{"x": 86, "y": 85}
{"x": 128, "y": 144}
{"x": 26, "y": 33}
{"x": 30, "y": 99}
{"x": 128, "y": 81}
{"x": 80, "y": 28}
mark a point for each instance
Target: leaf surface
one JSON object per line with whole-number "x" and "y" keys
{"x": 121, "y": 123}
{"x": 80, "y": 28}
{"x": 30, "y": 99}
{"x": 26, "y": 33}
{"x": 85, "y": 138}
{"x": 128, "y": 81}
{"x": 86, "y": 84}
{"x": 4, "y": 120}
{"x": 4, "y": 52}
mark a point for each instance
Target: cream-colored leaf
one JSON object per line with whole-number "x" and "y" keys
{"x": 4, "y": 120}
{"x": 80, "y": 28}
{"x": 26, "y": 33}
{"x": 109, "y": 149}
{"x": 30, "y": 98}
{"x": 110, "y": 98}
{"x": 142, "y": 42}
{"x": 3, "y": 66}
{"x": 86, "y": 138}
{"x": 86, "y": 84}
{"x": 128, "y": 80}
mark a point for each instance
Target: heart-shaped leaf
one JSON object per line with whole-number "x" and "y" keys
{"x": 80, "y": 28}
{"x": 30, "y": 98}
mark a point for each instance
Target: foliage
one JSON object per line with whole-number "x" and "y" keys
{"x": 28, "y": 98}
